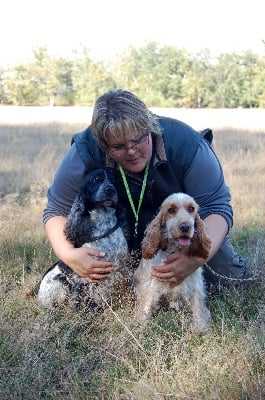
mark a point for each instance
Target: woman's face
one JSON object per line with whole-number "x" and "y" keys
{"x": 132, "y": 151}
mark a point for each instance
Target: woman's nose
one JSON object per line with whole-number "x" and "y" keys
{"x": 131, "y": 150}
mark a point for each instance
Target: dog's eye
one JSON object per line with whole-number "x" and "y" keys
{"x": 172, "y": 211}
{"x": 191, "y": 209}
{"x": 96, "y": 179}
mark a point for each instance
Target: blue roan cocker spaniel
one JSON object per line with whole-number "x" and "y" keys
{"x": 97, "y": 220}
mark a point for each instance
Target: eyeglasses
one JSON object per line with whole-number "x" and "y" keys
{"x": 138, "y": 144}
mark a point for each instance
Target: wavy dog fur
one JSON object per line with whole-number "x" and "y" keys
{"x": 177, "y": 227}
{"x": 96, "y": 220}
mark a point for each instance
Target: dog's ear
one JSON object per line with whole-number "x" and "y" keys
{"x": 72, "y": 228}
{"x": 85, "y": 204}
{"x": 201, "y": 243}
{"x": 154, "y": 240}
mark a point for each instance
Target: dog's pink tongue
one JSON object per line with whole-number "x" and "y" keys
{"x": 184, "y": 242}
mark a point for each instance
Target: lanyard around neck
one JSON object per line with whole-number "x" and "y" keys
{"x": 136, "y": 213}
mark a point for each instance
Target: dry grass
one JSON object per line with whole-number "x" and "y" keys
{"x": 62, "y": 355}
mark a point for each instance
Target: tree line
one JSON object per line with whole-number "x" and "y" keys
{"x": 162, "y": 76}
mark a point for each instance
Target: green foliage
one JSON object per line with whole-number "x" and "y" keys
{"x": 163, "y": 76}
{"x": 89, "y": 79}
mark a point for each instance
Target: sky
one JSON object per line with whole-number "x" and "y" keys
{"x": 108, "y": 27}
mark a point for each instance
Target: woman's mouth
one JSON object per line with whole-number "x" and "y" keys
{"x": 133, "y": 160}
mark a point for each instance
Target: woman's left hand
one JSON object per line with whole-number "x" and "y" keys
{"x": 175, "y": 268}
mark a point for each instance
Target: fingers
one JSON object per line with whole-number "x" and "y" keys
{"x": 163, "y": 276}
{"x": 161, "y": 268}
{"x": 94, "y": 252}
{"x": 90, "y": 264}
{"x": 164, "y": 272}
{"x": 169, "y": 273}
{"x": 98, "y": 271}
{"x": 175, "y": 266}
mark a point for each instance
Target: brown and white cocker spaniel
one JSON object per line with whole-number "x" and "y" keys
{"x": 177, "y": 227}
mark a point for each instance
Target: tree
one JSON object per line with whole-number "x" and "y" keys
{"x": 3, "y": 93}
{"x": 90, "y": 79}
{"x": 154, "y": 73}
{"x": 163, "y": 76}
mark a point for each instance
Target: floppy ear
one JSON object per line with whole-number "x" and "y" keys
{"x": 154, "y": 240}
{"x": 84, "y": 199}
{"x": 77, "y": 226}
{"x": 201, "y": 243}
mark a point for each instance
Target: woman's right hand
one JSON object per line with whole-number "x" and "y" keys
{"x": 85, "y": 262}
{"x": 88, "y": 263}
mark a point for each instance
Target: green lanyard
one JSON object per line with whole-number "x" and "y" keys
{"x": 136, "y": 213}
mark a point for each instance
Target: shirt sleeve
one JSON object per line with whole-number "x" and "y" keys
{"x": 205, "y": 182}
{"x": 67, "y": 182}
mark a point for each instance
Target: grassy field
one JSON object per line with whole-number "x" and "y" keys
{"x": 65, "y": 355}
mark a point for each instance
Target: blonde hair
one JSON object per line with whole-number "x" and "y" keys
{"x": 119, "y": 109}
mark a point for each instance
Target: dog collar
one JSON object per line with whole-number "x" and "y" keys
{"x": 109, "y": 232}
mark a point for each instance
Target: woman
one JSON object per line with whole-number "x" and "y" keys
{"x": 151, "y": 157}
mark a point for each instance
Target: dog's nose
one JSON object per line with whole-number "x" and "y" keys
{"x": 110, "y": 190}
{"x": 184, "y": 227}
